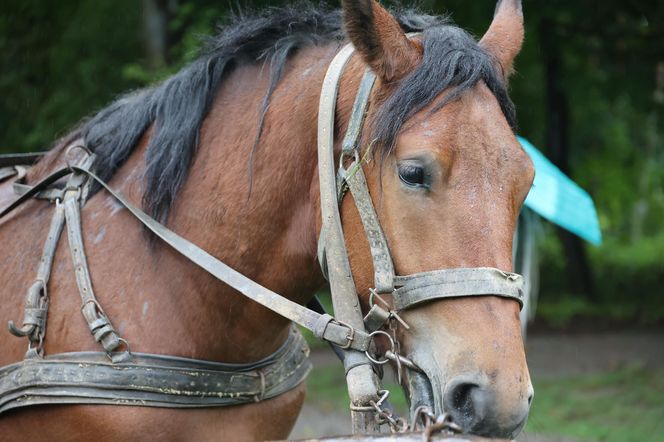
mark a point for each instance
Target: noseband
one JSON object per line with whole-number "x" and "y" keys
{"x": 56, "y": 378}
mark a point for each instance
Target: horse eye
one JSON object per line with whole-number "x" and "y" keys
{"x": 411, "y": 175}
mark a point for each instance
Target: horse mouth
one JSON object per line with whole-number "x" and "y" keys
{"x": 464, "y": 403}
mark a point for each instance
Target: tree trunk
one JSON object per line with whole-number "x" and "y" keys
{"x": 579, "y": 272}
{"x": 156, "y": 15}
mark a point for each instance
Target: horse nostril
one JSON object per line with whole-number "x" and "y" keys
{"x": 466, "y": 402}
{"x": 461, "y": 398}
{"x": 482, "y": 411}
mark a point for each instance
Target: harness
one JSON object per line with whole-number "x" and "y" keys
{"x": 120, "y": 376}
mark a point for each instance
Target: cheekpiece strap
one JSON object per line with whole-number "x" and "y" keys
{"x": 380, "y": 252}
{"x": 451, "y": 283}
{"x": 349, "y": 144}
{"x": 355, "y": 180}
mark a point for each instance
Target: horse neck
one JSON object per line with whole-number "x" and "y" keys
{"x": 260, "y": 217}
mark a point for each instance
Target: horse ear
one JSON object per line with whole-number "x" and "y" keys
{"x": 377, "y": 36}
{"x": 504, "y": 37}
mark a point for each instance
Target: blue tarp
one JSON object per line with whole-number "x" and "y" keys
{"x": 557, "y": 198}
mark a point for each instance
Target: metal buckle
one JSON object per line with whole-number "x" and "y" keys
{"x": 351, "y": 334}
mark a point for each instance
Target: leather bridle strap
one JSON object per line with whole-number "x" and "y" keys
{"x": 323, "y": 326}
{"x": 362, "y": 382}
{"x": 354, "y": 179}
{"x": 451, "y": 283}
{"x": 418, "y": 288}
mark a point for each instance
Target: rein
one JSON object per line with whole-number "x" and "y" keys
{"x": 349, "y": 331}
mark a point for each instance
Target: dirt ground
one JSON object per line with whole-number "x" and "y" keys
{"x": 549, "y": 357}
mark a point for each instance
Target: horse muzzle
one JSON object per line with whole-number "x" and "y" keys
{"x": 472, "y": 399}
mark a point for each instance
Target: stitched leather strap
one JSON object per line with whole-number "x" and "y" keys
{"x": 380, "y": 252}
{"x": 34, "y": 190}
{"x": 50, "y": 194}
{"x": 334, "y": 332}
{"x": 448, "y": 283}
{"x": 362, "y": 383}
{"x": 152, "y": 380}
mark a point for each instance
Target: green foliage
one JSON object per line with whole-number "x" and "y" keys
{"x": 326, "y": 386}
{"x": 60, "y": 61}
{"x": 622, "y": 406}
{"x": 628, "y": 277}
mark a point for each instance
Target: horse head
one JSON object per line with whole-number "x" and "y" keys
{"x": 447, "y": 179}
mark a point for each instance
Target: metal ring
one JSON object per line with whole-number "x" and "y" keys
{"x": 378, "y": 361}
{"x": 118, "y": 349}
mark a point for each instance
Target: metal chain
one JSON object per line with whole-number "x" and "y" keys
{"x": 385, "y": 416}
{"x": 431, "y": 423}
{"x": 423, "y": 420}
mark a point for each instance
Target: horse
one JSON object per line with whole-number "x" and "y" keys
{"x": 222, "y": 152}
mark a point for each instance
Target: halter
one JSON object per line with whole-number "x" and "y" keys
{"x": 349, "y": 330}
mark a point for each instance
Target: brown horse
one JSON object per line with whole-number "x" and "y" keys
{"x": 233, "y": 168}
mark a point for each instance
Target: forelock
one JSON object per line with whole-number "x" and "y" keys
{"x": 452, "y": 63}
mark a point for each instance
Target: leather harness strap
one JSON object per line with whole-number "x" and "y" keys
{"x": 152, "y": 380}
{"x": 323, "y": 326}
{"x": 12, "y": 159}
{"x": 99, "y": 324}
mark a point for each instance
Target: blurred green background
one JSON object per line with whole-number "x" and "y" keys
{"x": 589, "y": 91}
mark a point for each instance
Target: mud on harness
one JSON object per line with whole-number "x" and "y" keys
{"x": 151, "y": 380}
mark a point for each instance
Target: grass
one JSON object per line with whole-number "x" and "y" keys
{"x": 326, "y": 387}
{"x": 621, "y": 406}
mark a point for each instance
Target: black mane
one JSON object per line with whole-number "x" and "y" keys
{"x": 178, "y": 106}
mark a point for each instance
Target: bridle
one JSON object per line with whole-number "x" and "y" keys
{"x": 405, "y": 291}
{"x": 348, "y": 330}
